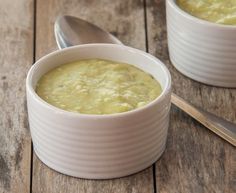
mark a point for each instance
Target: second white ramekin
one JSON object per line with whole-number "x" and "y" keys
{"x": 201, "y": 50}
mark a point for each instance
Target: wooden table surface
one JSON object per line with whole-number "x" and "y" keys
{"x": 195, "y": 160}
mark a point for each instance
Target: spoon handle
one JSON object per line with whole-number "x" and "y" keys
{"x": 218, "y": 125}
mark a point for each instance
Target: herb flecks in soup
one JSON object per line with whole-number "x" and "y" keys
{"x": 97, "y": 86}
{"x": 217, "y": 11}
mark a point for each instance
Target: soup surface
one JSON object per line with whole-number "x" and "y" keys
{"x": 217, "y": 11}
{"x": 98, "y": 86}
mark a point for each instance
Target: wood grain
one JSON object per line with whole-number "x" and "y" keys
{"x": 196, "y": 160}
{"x": 16, "y": 56}
{"x": 125, "y": 19}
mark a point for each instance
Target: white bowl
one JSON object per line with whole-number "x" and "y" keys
{"x": 99, "y": 146}
{"x": 199, "y": 49}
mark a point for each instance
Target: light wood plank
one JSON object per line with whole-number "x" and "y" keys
{"x": 196, "y": 160}
{"x": 125, "y": 19}
{"x": 16, "y": 57}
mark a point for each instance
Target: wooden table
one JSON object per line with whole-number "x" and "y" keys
{"x": 195, "y": 160}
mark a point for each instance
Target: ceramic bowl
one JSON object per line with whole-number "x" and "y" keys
{"x": 99, "y": 146}
{"x": 201, "y": 50}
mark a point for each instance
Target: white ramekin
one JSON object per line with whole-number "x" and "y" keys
{"x": 99, "y": 146}
{"x": 199, "y": 49}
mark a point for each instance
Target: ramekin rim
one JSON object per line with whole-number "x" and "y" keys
{"x": 199, "y": 20}
{"x": 165, "y": 91}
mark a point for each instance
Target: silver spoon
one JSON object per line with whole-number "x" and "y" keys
{"x": 71, "y": 31}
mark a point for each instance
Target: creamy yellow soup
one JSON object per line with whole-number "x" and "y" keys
{"x": 217, "y": 11}
{"x": 98, "y": 86}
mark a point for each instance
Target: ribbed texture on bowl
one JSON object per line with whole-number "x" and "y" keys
{"x": 203, "y": 51}
{"x": 115, "y": 147}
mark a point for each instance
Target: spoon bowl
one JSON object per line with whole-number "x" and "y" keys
{"x": 71, "y": 31}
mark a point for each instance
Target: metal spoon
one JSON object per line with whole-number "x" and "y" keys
{"x": 71, "y": 31}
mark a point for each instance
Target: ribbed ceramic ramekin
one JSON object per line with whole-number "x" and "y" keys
{"x": 201, "y": 50}
{"x": 99, "y": 146}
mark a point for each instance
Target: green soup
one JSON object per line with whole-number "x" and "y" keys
{"x": 217, "y": 11}
{"x": 97, "y": 86}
